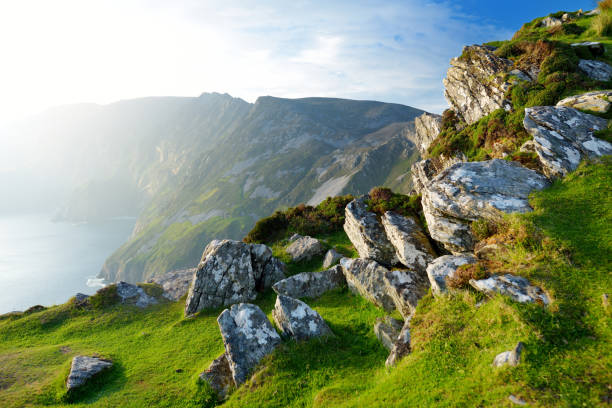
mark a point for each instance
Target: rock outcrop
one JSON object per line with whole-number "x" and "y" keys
{"x": 304, "y": 249}
{"x": 298, "y": 320}
{"x": 516, "y": 287}
{"x": 366, "y": 278}
{"x": 134, "y": 295}
{"x": 405, "y": 288}
{"x": 550, "y": 22}
{"x": 427, "y": 127}
{"x": 511, "y": 357}
{"x": 597, "y": 101}
{"x": 563, "y": 136}
{"x": 425, "y": 170}
{"x": 248, "y": 337}
{"x": 401, "y": 347}
{"x": 175, "y": 283}
{"x": 387, "y": 329}
{"x": 466, "y": 192}
{"x": 310, "y": 284}
{"x": 597, "y": 70}
{"x": 443, "y": 267}
{"x": 219, "y": 376}
{"x": 332, "y": 257}
{"x": 83, "y": 368}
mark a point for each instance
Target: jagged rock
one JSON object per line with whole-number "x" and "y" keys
{"x": 550, "y": 22}
{"x": 517, "y": 287}
{"x": 427, "y": 127}
{"x": 219, "y": 376}
{"x": 83, "y": 368}
{"x": 231, "y": 272}
{"x": 511, "y": 357}
{"x": 466, "y": 192}
{"x": 425, "y": 170}
{"x": 367, "y": 234}
{"x": 248, "y": 337}
{"x": 298, "y": 320}
{"x": 597, "y": 101}
{"x": 304, "y": 248}
{"x": 134, "y": 295}
{"x": 475, "y": 84}
{"x": 563, "y": 137}
{"x": 310, "y": 284}
{"x": 294, "y": 237}
{"x": 387, "y": 329}
{"x": 175, "y": 283}
{"x": 366, "y": 278}
{"x": 401, "y": 347}
{"x": 444, "y": 266}
{"x": 406, "y": 288}
{"x": 410, "y": 242}
{"x": 331, "y": 258}
{"x": 597, "y": 70}
{"x": 596, "y": 48}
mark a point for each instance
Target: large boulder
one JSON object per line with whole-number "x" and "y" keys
{"x": 475, "y": 84}
{"x": 304, "y": 249}
{"x": 367, "y": 234}
{"x": 427, "y": 127}
{"x": 443, "y": 267}
{"x": 366, "y": 278}
{"x": 83, "y": 368}
{"x": 387, "y": 329}
{"x": 406, "y": 288}
{"x": 516, "y": 287}
{"x": 248, "y": 337}
{"x": 219, "y": 376}
{"x": 401, "y": 347}
{"x": 563, "y": 136}
{"x": 466, "y": 192}
{"x": 597, "y": 70}
{"x": 175, "y": 283}
{"x": 298, "y": 320}
{"x": 596, "y": 101}
{"x": 134, "y": 295}
{"x": 425, "y": 170}
{"x": 331, "y": 258}
{"x": 231, "y": 272}
{"x": 310, "y": 284}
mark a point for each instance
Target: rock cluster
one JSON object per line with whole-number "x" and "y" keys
{"x": 310, "y": 284}
{"x": 134, "y": 295}
{"x": 83, "y": 368}
{"x": 425, "y": 170}
{"x": 175, "y": 283}
{"x": 596, "y": 101}
{"x": 443, "y": 267}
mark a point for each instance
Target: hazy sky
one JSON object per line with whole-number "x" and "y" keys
{"x": 56, "y": 52}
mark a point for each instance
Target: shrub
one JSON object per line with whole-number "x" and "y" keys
{"x": 105, "y": 297}
{"x": 461, "y": 278}
{"x": 383, "y": 200}
{"x": 267, "y": 228}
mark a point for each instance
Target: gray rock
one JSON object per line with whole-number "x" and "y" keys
{"x": 332, "y": 257}
{"x": 406, "y": 288}
{"x": 596, "y": 48}
{"x": 219, "y": 376}
{"x": 466, "y": 192}
{"x": 597, "y": 101}
{"x": 175, "y": 283}
{"x": 134, "y": 295}
{"x": 83, "y": 368}
{"x": 425, "y": 170}
{"x": 445, "y": 266}
{"x": 81, "y": 299}
{"x": 593, "y": 12}
{"x": 401, "y": 347}
{"x": 298, "y": 320}
{"x": 427, "y": 127}
{"x": 387, "y": 329}
{"x": 597, "y": 70}
{"x": 367, "y": 234}
{"x": 521, "y": 75}
{"x": 550, "y": 22}
{"x": 517, "y": 400}
{"x": 563, "y": 137}
{"x": 248, "y": 337}
{"x": 516, "y": 287}
{"x": 294, "y": 237}
{"x": 304, "y": 249}
{"x": 310, "y": 284}
{"x": 366, "y": 278}
{"x": 511, "y": 357}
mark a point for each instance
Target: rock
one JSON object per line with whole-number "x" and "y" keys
{"x": 475, "y": 85}
{"x": 401, "y": 347}
{"x": 410, "y": 242}
{"x": 267, "y": 269}
{"x": 304, "y": 249}
{"x": 366, "y": 278}
{"x": 597, "y": 70}
{"x": 219, "y": 376}
{"x": 565, "y": 17}
{"x": 294, "y": 237}
{"x": 83, "y": 368}
{"x": 248, "y": 337}
{"x": 427, "y": 127}
{"x": 81, "y": 299}
{"x": 310, "y": 284}
{"x": 134, "y": 295}
{"x": 596, "y": 48}
{"x": 521, "y": 75}
{"x": 444, "y": 266}
{"x": 387, "y": 329}
{"x": 331, "y": 258}
{"x": 516, "y": 287}
{"x": 466, "y": 192}
{"x": 517, "y": 400}
{"x": 550, "y": 22}
{"x": 175, "y": 283}
{"x": 425, "y": 170}
{"x": 367, "y": 234}
{"x": 297, "y": 320}
{"x": 597, "y": 101}
{"x": 593, "y": 12}
{"x": 406, "y": 288}
{"x": 511, "y": 357}
{"x": 563, "y": 137}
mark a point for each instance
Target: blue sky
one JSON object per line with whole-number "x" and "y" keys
{"x": 71, "y": 51}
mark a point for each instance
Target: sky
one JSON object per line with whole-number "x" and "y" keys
{"x": 73, "y": 51}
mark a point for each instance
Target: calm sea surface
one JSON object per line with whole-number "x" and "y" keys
{"x": 42, "y": 262}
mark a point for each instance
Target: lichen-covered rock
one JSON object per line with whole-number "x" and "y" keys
{"x": 597, "y": 101}
{"x": 550, "y": 22}
{"x": 367, "y": 234}
{"x": 445, "y": 266}
{"x": 466, "y": 192}
{"x": 175, "y": 283}
{"x": 511, "y": 357}
{"x": 304, "y": 248}
{"x": 83, "y": 368}
{"x": 219, "y": 376}
{"x": 427, "y": 127}
{"x": 248, "y": 337}
{"x": 310, "y": 284}
{"x": 563, "y": 136}
{"x": 406, "y": 288}
{"x": 597, "y": 70}
{"x": 366, "y": 277}
{"x": 298, "y": 320}
{"x": 401, "y": 347}
{"x": 596, "y": 48}
{"x": 134, "y": 295}
{"x": 387, "y": 329}
{"x": 425, "y": 170}
{"x": 516, "y": 287}
{"x": 332, "y": 257}
{"x": 475, "y": 84}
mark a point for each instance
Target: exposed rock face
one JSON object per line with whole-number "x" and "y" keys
{"x": 425, "y": 170}
{"x": 517, "y": 287}
{"x": 248, "y": 337}
{"x": 175, "y": 283}
{"x": 511, "y": 357}
{"x": 410, "y": 242}
{"x": 331, "y": 258}
{"x": 367, "y": 278}
{"x": 304, "y": 248}
{"x": 230, "y": 272}
{"x": 427, "y": 127}
{"x": 298, "y": 320}
{"x": 219, "y": 376}
{"x": 401, "y": 347}
{"x": 367, "y": 234}
{"x": 310, "y": 284}
{"x": 597, "y": 101}
{"x": 406, "y": 288}
{"x": 134, "y": 295}
{"x": 469, "y": 191}
{"x": 474, "y": 84}
{"x": 387, "y": 329}
{"x": 444, "y": 266}
{"x": 550, "y": 22}
{"x": 563, "y": 136}
{"x": 596, "y": 48}
{"x": 597, "y": 70}
{"x": 83, "y": 368}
